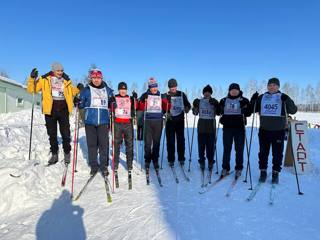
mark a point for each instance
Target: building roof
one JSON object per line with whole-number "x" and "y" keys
{"x": 10, "y": 81}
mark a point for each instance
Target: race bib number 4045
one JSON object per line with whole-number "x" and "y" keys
{"x": 271, "y": 105}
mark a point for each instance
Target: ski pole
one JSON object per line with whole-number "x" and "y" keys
{"x": 248, "y": 154}
{"x": 190, "y": 154}
{"x": 143, "y": 131}
{"x": 136, "y": 123}
{"x": 187, "y": 124}
{"x": 215, "y": 142}
{"x": 77, "y": 143}
{"x": 250, "y": 142}
{"x": 32, "y": 111}
{"x": 164, "y": 130}
{"x": 112, "y": 142}
{"x": 294, "y": 161}
{"x": 74, "y": 151}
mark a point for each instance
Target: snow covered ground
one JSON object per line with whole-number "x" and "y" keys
{"x": 35, "y": 206}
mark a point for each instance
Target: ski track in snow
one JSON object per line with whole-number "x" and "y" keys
{"x": 34, "y": 206}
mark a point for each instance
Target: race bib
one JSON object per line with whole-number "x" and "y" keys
{"x": 206, "y": 110}
{"x": 57, "y": 88}
{"x": 176, "y": 106}
{"x": 123, "y": 109}
{"x": 271, "y": 105}
{"x": 154, "y": 104}
{"x": 99, "y": 98}
{"x": 232, "y": 107}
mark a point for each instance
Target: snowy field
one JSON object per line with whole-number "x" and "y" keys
{"x": 35, "y": 206}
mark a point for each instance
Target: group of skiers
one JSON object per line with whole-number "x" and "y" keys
{"x": 106, "y": 112}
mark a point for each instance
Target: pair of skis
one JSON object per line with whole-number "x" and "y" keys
{"x": 157, "y": 174}
{"x": 183, "y": 172}
{"x": 106, "y": 184}
{"x": 205, "y": 187}
{"x": 116, "y": 176}
{"x": 258, "y": 187}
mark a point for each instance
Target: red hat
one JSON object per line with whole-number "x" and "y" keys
{"x": 95, "y": 73}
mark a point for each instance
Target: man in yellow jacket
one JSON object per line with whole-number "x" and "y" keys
{"x": 57, "y": 103}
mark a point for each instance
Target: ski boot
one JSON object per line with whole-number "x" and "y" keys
{"x": 53, "y": 160}
{"x": 263, "y": 175}
{"x": 275, "y": 177}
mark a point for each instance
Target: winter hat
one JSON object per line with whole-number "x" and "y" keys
{"x": 234, "y": 86}
{"x": 122, "y": 86}
{"x": 56, "y": 66}
{"x": 172, "y": 83}
{"x": 152, "y": 83}
{"x": 95, "y": 73}
{"x": 274, "y": 80}
{"x": 207, "y": 88}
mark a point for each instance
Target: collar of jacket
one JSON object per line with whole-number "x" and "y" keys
{"x": 118, "y": 95}
{"x": 102, "y": 85}
{"x": 272, "y": 93}
{"x": 150, "y": 93}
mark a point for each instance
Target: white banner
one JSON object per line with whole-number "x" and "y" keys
{"x": 300, "y": 146}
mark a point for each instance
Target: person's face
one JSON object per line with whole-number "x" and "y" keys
{"x": 273, "y": 88}
{"x": 154, "y": 90}
{"x": 173, "y": 89}
{"x": 123, "y": 92}
{"x": 207, "y": 95}
{"x": 96, "y": 81}
{"x": 234, "y": 92}
{"x": 58, "y": 73}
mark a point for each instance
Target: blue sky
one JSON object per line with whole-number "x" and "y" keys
{"x": 197, "y": 42}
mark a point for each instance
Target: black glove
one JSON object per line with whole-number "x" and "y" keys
{"x": 196, "y": 103}
{"x": 254, "y": 97}
{"x": 195, "y": 111}
{"x": 34, "y": 73}
{"x": 134, "y": 95}
{"x": 168, "y": 97}
{"x": 47, "y": 74}
{"x": 186, "y": 109}
{"x": 284, "y": 97}
{"x": 243, "y": 103}
{"x": 80, "y": 86}
{"x": 76, "y": 101}
{"x": 65, "y": 76}
{"x": 214, "y": 102}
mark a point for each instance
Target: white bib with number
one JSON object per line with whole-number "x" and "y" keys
{"x": 154, "y": 104}
{"x": 271, "y": 105}
{"x": 99, "y": 98}
{"x": 232, "y": 106}
{"x": 176, "y": 106}
{"x": 123, "y": 109}
{"x": 206, "y": 110}
{"x": 57, "y": 88}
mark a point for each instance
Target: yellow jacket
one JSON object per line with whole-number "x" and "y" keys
{"x": 44, "y": 85}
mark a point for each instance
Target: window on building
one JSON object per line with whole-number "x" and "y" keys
{"x": 19, "y": 102}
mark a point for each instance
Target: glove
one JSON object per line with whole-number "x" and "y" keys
{"x": 168, "y": 97}
{"x": 186, "y": 109}
{"x": 76, "y": 101}
{"x": 214, "y": 102}
{"x": 196, "y": 103}
{"x": 80, "y": 86}
{"x": 254, "y": 97}
{"x": 65, "y": 76}
{"x": 243, "y": 103}
{"x": 143, "y": 97}
{"x": 134, "y": 95}
{"x": 47, "y": 74}
{"x": 34, "y": 73}
{"x": 195, "y": 111}
{"x": 284, "y": 97}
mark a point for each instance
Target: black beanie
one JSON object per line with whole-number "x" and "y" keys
{"x": 234, "y": 86}
{"x": 172, "y": 83}
{"x": 122, "y": 85}
{"x": 274, "y": 80}
{"x": 207, "y": 88}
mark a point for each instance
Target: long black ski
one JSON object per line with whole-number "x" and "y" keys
{"x": 159, "y": 178}
{"x": 107, "y": 187}
{"x": 116, "y": 177}
{"x": 148, "y": 176}
{"x": 174, "y": 174}
{"x": 64, "y": 176}
{"x": 129, "y": 180}
{"x": 184, "y": 172}
{"x": 85, "y": 187}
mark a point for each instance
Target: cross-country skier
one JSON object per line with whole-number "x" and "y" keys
{"x": 207, "y": 108}
{"x": 57, "y": 104}
{"x": 234, "y": 112}
{"x": 154, "y": 106}
{"x": 95, "y": 99}
{"x": 175, "y": 122}
{"x": 273, "y": 107}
